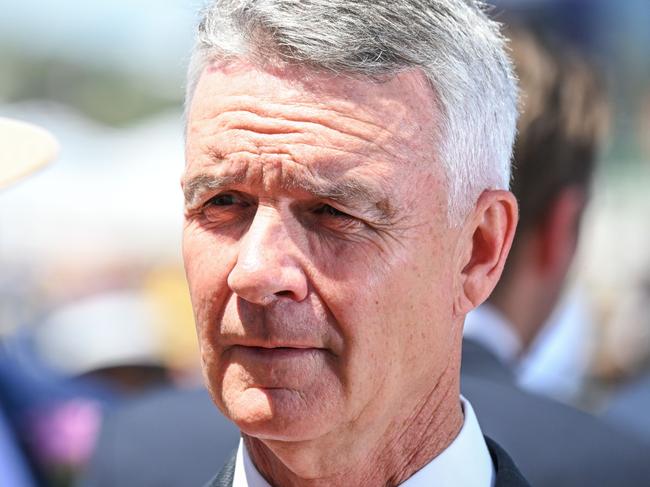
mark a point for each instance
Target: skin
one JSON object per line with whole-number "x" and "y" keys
{"x": 329, "y": 289}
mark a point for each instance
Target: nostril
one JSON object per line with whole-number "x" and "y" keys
{"x": 287, "y": 294}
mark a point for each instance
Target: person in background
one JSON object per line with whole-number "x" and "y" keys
{"x": 24, "y": 148}
{"x": 562, "y": 127}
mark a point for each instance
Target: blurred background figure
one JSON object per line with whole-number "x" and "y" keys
{"x": 95, "y": 238}
{"x": 583, "y": 352}
{"x": 24, "y": 148}
{"x": 595, "y": 347}
{"x": 561, "y": 130}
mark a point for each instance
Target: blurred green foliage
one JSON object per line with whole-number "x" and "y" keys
{"x": 108, "y": 96}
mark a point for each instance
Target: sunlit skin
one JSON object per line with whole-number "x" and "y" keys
{"x": 328, "y": 287}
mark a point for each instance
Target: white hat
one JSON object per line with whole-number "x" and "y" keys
{"x": 99, "y": 331}
{"x": 24, "y": 148}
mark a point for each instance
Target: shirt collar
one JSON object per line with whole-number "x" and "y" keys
{"x": 466, "y": 461}
{"x": 489, "y": 327}
{"x": 246, "y": 474}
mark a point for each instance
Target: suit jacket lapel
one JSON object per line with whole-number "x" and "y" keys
{"x": 507, "y": 473}
{"x": 226, "y": 477}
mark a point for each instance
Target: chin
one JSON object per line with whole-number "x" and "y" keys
{"x": 276, "y": 414}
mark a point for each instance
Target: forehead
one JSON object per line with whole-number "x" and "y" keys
{"x": 406, "y": 96}
{"x": 243, "y": 115}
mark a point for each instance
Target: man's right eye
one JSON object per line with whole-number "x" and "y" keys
{"x": 226, "y": 208}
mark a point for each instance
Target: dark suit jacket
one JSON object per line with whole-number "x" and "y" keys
{"x": 628, "y": 410}
{"x": 553, "y": 445}
{"x": 507, "y": 474}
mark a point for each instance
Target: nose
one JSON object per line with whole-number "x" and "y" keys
{"x": 267, "y": 266}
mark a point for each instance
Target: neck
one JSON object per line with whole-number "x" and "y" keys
{"x": 415, "y": 436}
{"x": 526, "y": 311}
{"x": 527, "y": 294}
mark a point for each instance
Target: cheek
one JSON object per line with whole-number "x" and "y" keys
{"x": 207, "y": 265}
{"x": 395, "y": 313}
{"x": 208, "y": 262}
{"x": 420, "y": 297}
{"x": 364, "y": 309}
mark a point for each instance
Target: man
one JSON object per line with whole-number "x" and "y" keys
{"x": 24, "y": 148}
{"x": 346, "y": 206}
{"x": 561, "y": 129}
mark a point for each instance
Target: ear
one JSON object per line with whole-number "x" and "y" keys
{"x": 558, "y": 233}
{"x": 486, "y": 240}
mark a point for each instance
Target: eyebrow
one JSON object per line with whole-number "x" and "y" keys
{"x": 347, "y": 191}
{"x": 351, "y": 192}
{"x": 203, "y": 183}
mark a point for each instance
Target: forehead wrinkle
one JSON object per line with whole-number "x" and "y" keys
{"x": 266, "y": 117}
{"x": 217, "y": 146}
{"x": 293, "y": 110}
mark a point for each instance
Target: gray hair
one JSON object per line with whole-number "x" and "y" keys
{"x": 455, "y": 44}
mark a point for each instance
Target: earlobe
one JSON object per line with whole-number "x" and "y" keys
{"x": 488, "y": 238}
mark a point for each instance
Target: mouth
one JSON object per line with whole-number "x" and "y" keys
{"x": 276, "y": 352}
{"x": 277, "y": 349}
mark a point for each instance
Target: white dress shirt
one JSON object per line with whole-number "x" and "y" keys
{"x": 487, "y": 325}
{"x": 466, "y": 462}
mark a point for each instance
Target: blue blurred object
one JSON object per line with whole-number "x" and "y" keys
{"x": 14, "y": 470}
{"x": 42, "y": 417}
{"x": 629, "y": 410}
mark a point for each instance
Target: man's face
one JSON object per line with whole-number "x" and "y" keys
{"x": 320, "y": 263}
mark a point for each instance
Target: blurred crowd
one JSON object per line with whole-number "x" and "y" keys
{"x": 95, "y": 318}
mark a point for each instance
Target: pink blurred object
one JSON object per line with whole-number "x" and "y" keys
{"x": 65, "y": 434}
